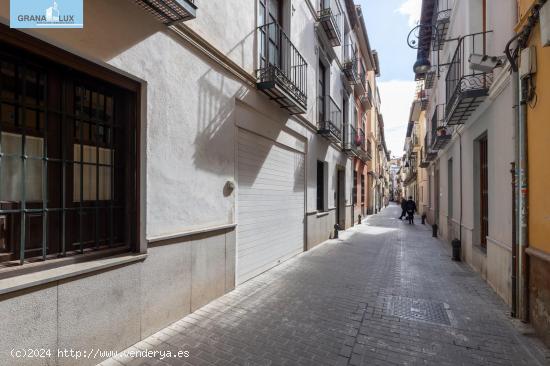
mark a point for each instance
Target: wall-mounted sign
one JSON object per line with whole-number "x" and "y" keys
{"x": 46, "y": 14}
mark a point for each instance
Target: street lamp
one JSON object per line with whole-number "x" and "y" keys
{"x": 422, "y": 65}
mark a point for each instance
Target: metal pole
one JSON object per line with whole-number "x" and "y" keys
{"x": 523, "y": 207}
{"x": 513, "y": 310}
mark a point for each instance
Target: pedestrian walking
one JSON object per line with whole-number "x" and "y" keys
{"x": 403, "y": 208}
{"x": 410, "y": 207}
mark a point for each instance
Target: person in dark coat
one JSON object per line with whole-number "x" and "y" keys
{"x": 403, "y": 208}
{"x": 410, "y": 208}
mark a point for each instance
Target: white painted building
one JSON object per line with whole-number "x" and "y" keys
{"x": 470, "y": 124}
{"x": 201, "y": 149}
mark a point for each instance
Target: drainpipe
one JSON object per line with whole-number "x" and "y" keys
{"x": 516, "y": 309}
{"x": 523, "y": 206}
{"x": 520, "y": 286}
{"x": 513, "y": 310}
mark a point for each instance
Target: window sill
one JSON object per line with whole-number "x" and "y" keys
{"x": 322, "y": 214}
{"x": 72, "y": 270}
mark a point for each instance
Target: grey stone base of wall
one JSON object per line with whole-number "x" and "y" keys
{"x": 112, "y": 309}
{"x": 320, "y": 227}
{"x": 492, "y": 263}
{"x": 539, "y": 297}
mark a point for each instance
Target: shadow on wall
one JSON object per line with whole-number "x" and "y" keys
{"x": 216, "y": 120}
{"x": 105, "y": 35}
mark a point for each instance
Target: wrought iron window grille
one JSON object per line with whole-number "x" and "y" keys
{"x": 62, "y": 142}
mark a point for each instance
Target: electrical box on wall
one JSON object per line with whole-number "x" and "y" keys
{"x": 528, "y": 62}
{"x": 545, "y": 24}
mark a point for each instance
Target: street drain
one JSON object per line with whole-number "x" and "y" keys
{"x": 417, "y": 309}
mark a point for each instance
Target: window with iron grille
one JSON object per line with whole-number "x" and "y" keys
{"x": 320, "y": 186}
{"x": 67, "y": 174}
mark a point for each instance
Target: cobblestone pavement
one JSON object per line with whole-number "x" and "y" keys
{"x": 385, "y": 293}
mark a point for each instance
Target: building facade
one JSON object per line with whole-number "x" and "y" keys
{"x": 146, "y": 174}
{"x": 469, "y": 140}
{"x": 534, "y": 265}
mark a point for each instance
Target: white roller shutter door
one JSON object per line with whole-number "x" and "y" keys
{"x": 270, "y": 206}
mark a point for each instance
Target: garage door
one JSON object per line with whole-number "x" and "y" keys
{"x": 270, "y": 207}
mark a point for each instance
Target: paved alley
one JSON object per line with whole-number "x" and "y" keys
{"x": 385, "y": 293}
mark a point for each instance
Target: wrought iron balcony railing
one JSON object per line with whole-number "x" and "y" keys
{"x": 330, "y": 119}
{"x": 365, "y": 147}
{"x": 351, "y": 141}
{"x": 441, "y": 20}
{"x": 283, "y": 71}
{"x": 370, "y": 95}
{"x": 349, "y": 66}
{"x": 423, "y": 98}
{"x": 170, "y": 11}
{"x": 429, "y": 79}
{"x": 466, "y": 88}
{"x": 440, "y": 132}
{"x": 329, "y": 18}
{"x": 428, "y": 154}
{"x": 361, "y": 86}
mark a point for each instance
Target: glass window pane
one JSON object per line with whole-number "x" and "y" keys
{"x": 11, "y": 179}
{"x": 33, "y": 180}
{"x": 9, "y": 84}
{"x": 109, "y": 109}
{"x": 31, "y": 86}
{"x": 8, "y": 114}
{"x": 11, "y": 144}
{"x": 95, "y": 106}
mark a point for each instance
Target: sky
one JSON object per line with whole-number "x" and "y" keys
{"x": 388, "y": 24}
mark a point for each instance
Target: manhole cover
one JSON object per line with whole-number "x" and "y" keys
{"x": 417, "y": 309}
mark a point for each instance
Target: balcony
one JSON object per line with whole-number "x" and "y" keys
{"x": 361, "y": 86}
{"x": 423, "y": 99}
{"x": 365, "y": 147}
{"x": 330, "y": 119}
{"x": 329, "y": 17}
{"x": 350, "y": 65}
{"x": 352, "y": 141}
{"x": 423, "y": 162}
{"x": 366, "y": 97}
{"x": 427, "y": 154}
{"x": 282, "y": 75}
{"x": 368, "y": 152}
{"x": 429, "y": 80}
{"x": 441, "y": 20}
{"x": 466, "y": 88}
{"x": 170, "y": 11}
{"x": 441, "y": 133}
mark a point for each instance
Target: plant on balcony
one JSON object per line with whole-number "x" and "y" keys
{"x": 442, "y": 131}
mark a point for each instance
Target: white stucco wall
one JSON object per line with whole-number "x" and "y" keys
{"x": 190, "y": 103}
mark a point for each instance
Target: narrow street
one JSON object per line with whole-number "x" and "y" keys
{"x": 385, "y": 293}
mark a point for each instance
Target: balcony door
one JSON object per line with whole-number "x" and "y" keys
{"x": 321, "y": 90}
{"x": 483, "y": 191}
{"x": 271, "y": 16}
